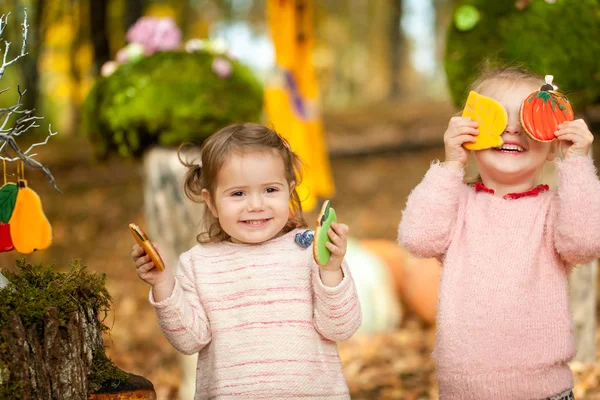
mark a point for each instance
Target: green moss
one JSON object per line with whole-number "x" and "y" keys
{"x": 558, "y": 39}
{"x": 104, "y": 373}
{"x": 34, "y": 288}
{"x": 167, "y": 98}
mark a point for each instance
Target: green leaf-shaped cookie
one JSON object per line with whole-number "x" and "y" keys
{"x": 320, "y": 252}
{"x": 8, "y": 197}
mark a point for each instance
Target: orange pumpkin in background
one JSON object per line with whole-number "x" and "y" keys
{"x": 393, "y": 256}
{"x": 543, "y": 110}
{"x": 420, "y": 285}
{"x": 416, "y": 280}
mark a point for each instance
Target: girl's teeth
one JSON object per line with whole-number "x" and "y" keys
{"x": 511, "y": 147}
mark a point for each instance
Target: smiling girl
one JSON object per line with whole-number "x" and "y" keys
{"x": 263, "y": 317}
{"x": 504, "y": 329}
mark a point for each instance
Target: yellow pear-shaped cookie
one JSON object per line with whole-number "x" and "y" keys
{"x": 491, "y": 117}
{"x": 30, "y": 230}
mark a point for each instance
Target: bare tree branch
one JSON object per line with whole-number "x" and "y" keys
{"x": 25, "y": 121}
{"x": 3, "y": 23}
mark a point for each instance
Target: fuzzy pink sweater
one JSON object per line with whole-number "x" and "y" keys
{"x": 504, "y": 328}
{"x": 262, "y": 321}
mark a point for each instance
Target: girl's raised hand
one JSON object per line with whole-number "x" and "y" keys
{"x": 338, "y": 233}
{"x": 575, "y": 138}
{"x": 460, "y": 130}
{"x": 144, "y": 267}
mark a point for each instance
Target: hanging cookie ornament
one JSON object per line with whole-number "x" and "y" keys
{"x": 8, "y": 196}
{"x": 543, "y": 110}
{"x": 30, "y": 230}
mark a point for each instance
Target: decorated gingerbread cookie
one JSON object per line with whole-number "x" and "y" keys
{"x": 491, "y": 117}
{"x": 142, "y": 240}
{"x": 543, "y": 110}
{"x": 320, "y": 251}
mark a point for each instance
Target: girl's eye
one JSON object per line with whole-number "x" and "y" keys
{"x": 271, "y": 190}
{"x": 237, "y": 194}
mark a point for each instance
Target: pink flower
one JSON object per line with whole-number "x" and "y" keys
{"x": 221, "y": 67}
{"x": 121, "y": 56}
{"x": 155, "y": 34}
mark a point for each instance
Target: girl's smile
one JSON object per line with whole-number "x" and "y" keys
{"x": 511, "y": 147}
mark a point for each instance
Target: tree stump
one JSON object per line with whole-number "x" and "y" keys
{"x": 52, "y": 352}
{"x": 173, "y": 223}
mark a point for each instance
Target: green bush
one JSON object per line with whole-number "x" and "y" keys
{"x": 560, "y": 39}
{"x": 167, "y": 98}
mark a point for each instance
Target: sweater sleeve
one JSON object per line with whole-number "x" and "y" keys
{"x": 577, "y": 216}
{"x": 431, "y": 211}
{"x": 181, "y": 316}
{"x": 337, "y": 314}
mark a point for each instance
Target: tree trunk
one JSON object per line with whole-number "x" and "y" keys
{"x": 76, "y": 14}
{"x": 173, "y": 222}
{"x": 378, "y": 46}
{"x": 133, "y": 11}
{"x": 57, "y": 360}
{"x": 396, "y": 46}
{"x": 98, "y": 11}
{"x": 57, "y": 364}
{"x": 3, "y": 281}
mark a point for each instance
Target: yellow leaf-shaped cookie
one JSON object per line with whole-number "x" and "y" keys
{"x": 491, "y": 117}
{"x": 29, "y": 227}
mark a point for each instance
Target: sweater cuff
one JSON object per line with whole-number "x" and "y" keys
{"x": 173, "y": 301}
{"x": 325, "y": 290}
{"x": 578, "y": 171}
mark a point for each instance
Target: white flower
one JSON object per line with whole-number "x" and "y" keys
{"x": 195, "y": 45}
{"x": 219, "y": 46}
{"x": 108, "y": 68}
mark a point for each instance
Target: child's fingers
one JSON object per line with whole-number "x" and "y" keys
{"x": 146, "y": 268}
{"x": 334, "y": 237}
{"x": 335, "y": 250}
{"x": 462, "y": 121}
{"x": 462, "y": 139}
{"x": 576, "y": 129}
{"x": 340, "y": 229}
{"x": 578, "y": 122}
{"x": 465, "y": 130}
{"x": 142, "y": 260}
{"x": 158, "y": 250}
{"x": 136, "y": 251}
{"x": 571, "y": 137}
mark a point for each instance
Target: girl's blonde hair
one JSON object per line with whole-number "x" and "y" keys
{"x": 216, "y": 149}
{"x": 509, "y": 76}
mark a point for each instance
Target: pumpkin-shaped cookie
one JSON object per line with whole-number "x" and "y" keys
{"x": 543, "y": 110}
{"x": 491, "y": 118}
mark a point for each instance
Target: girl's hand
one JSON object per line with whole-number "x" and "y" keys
{"x": 460, "y": 130}
{"x": 338, "y": 234}
{"x": 575, "y": 138}
{"x": 144, "y": 267}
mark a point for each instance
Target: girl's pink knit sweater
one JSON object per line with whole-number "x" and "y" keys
{"x": 262, "y": 321}
{"x": 504, "y": 329}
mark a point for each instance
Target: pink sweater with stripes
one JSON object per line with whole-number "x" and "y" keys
{"x": 504, "y": 328}
{"x": 263, "y": 323}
